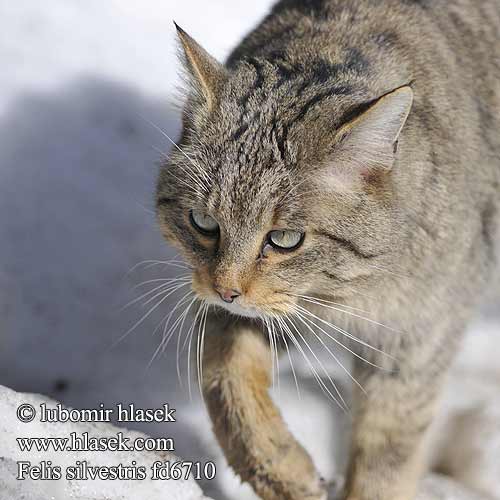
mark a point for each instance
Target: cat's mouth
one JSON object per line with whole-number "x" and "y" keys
{"x": 239, "y": 310}
{"x": 248, "y": 310}
{"x": 257, "y": 303}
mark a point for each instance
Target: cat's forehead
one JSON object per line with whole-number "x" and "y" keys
{"x": 248, "y": 191}
{"x": 249, "y": 151}
{"x": 249, "y": 165}
{"x": 247, "y": 187}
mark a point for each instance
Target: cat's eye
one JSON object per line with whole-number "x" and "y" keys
{"x": 285, "y": 239}
{"x": 203, "y": 222}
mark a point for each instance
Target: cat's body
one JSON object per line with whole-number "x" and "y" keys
{"x": 309, "y": 128}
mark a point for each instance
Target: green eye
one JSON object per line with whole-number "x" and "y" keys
{"x": 203, "y": 222}
{"x": 285, "y": 239}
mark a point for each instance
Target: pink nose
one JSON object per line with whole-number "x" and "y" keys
{"x": 227, "y": 294}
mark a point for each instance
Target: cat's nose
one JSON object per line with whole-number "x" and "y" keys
{"x": 227, "y": 294}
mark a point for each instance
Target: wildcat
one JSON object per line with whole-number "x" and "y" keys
{"x": 345, "y": 158}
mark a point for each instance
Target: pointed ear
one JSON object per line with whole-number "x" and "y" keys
{"x": 206, "y": 74}
{"x": 366, "y": 147}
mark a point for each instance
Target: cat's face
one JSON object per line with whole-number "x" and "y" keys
{"x": 241, "y": 221}
{"x": 266, "y": 208}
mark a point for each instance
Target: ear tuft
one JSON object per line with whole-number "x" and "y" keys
{"x": 207, "y": 75}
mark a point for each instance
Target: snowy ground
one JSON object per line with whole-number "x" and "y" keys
{"x": 131, "y": 463}
{"x": 80, "y": 81}
{"x": 141, "y": 468}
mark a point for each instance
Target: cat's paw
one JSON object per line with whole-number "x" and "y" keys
{"x": 315, "y": 490}
{"x": 293, "y": 489}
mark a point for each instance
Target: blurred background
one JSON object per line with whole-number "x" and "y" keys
{"x": 82, "y": 83}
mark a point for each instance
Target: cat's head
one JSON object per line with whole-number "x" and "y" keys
{"x": 279, "y": 188}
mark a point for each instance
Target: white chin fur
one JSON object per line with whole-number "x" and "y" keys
{"x": 238, "y": 310}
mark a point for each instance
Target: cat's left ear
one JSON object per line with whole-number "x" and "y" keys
{"x": 366, "y": 146}
{"x": 206, "y": 74}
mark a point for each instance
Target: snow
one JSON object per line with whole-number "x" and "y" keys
{"x": 80, "y": 82}
{"x": 42, "y": 47}
{"x": 30, "y": 489}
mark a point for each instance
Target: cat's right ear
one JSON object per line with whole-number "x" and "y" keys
{"x": 365, "y": 149}
{"x": 206, "y": 74}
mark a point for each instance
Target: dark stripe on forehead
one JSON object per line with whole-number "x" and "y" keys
{"x": 258, "y": 68}
{"x": 336, "y": 90}
{"x": 259, "y": 71}
{"x": 279, "y": 138}
{"x": 319, "y": 71}
{"x": 245, "y": 125}
{"x": 356, "y": 61}
{"x": 240, "y": 131}
{"x": 287, "y": 73}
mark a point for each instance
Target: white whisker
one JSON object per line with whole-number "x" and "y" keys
{"x": 168, "y": 335}
{"x": 268, "y": 328}
{"x": 342, "y": 404}
{"x": 170, "y": 291}
{"x": 200, "y": 348}
{"x": 165, "y": 286}
{"x": 151, "y": 263}
{"x": 283, "y": 336}
{"x": 180, "y": 265}
{"x": 188, "y": 171}
{"x": 354, "y": 315}
{"x": 276, "y": 354}
{"x": 344, "y": 333}
{"x": 308, "y": 297}
{"x": 177, "y": 351}
{"x": 193, "y": 326}
{"x": 162, "y": 132}
{"x": 303, "y": 321}
{"x": 186, "y": 278}
{"x": 130, "y": 330}
{"x": 171, "y": 328}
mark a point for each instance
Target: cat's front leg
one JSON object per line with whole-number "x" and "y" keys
{"x": 248, "y": 426}
{"x": 391, "y": 420}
